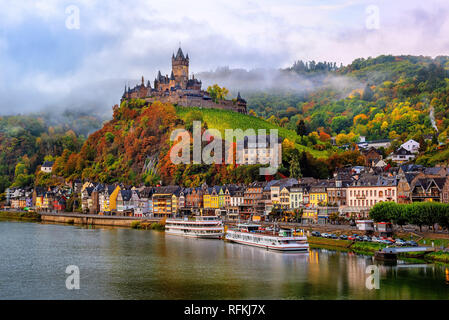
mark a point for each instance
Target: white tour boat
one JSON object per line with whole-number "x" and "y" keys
{"x": 254, "y": 235}
{"x": 201, "y": 227}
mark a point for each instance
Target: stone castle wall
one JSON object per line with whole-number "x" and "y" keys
{"x": 187, "y": 101}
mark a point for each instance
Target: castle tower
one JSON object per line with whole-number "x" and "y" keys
{"x": 180, "y": 68}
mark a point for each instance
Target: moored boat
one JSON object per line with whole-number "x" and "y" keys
{"x": 254, "y": 235}
{"x": 210, "y": 227}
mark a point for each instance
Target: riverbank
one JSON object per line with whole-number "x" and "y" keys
{"x": 97, "y": 220}
{"x": 370, "y": 248}
{"x": 85, "y": 219}
{"x": 20, "y": 216}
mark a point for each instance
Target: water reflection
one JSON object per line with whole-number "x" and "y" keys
{"x": 135, "y": 264}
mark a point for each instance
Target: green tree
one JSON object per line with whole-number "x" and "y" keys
{"x": 295, "y": 166}
{"x": 301, "y": 128}
{"x": 217, "y": 93}
{"x": 339, "y": 123}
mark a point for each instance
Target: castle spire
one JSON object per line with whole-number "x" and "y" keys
{"x": 143, "y": 82}
{"x": 179, "y": 54}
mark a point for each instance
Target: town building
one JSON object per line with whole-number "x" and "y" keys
{"x": 411, "y": 146}
{"x": 47, "y": 167}
{"x": 259, "y": 150}
{"x": 368, "y": 190}
{"x": 372, "y": 156}
{"x": 402, "y": 155}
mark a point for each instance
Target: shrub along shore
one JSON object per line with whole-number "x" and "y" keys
{"x": 148, "y": 225}
{"x": 22, "y": 216}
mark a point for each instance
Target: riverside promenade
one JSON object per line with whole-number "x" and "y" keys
{"x": 94, "y": 219}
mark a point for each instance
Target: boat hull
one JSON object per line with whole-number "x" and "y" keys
{"x": 196, "y": 235}
{"x": 302, "y": 248}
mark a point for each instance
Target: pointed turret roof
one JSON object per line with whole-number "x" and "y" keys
{"x": 172, "y": 76}
{"x": 179, "y": 54}
{"x": 239, "y": 98}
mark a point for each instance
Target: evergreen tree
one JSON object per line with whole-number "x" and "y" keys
{"x": 295, "y": 167}
{"x": 368, "y": 93}
{"x": 301, "y": 128}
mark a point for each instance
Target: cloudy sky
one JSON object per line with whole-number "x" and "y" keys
{"x": 48, "y": 60}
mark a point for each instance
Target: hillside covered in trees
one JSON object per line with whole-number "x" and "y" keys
{"x": 394, "y": 97}
{"x": 134, "y": 148}
{"x": 27, "y": 140}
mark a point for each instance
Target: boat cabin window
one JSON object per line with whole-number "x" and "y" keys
{"x": 252, "y": 228}
{"x": 285, "y": 233}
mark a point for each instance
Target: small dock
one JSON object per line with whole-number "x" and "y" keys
{"x": 391, "y": 254}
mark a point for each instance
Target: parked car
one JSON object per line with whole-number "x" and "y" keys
{"x": 385, "y": 241}
{"x": 316, "y": 234}
{"x": 400, "y": 242}
{"x": 411, "y": 243}
{"x": 325, "y": 235}
{"x": 391, "y": 239}
{"x": 375, "y": 239}
{"x": 366, "y": 238}
{"x": 333, "y": 236}
{"x": 344, "y": 237}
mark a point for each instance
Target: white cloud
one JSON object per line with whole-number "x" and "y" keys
{"x": 118, "y": 41}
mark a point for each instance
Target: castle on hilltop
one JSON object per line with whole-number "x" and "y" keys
{"x": 181, "y": 90}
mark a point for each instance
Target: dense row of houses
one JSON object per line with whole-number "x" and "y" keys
{"x": 350, "y": 194}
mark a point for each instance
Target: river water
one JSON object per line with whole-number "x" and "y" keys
{"x": 136, "y": 264}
